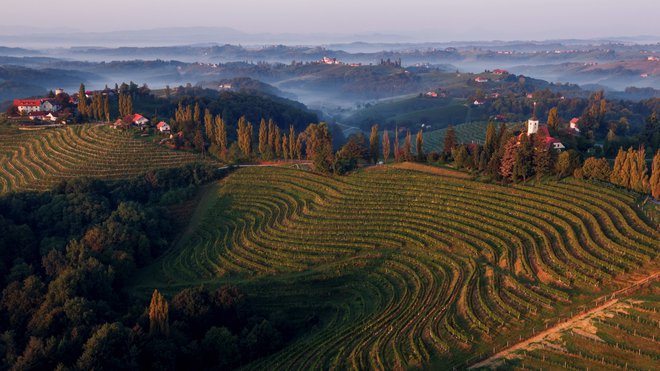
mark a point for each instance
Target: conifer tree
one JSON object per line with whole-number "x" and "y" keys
{"x": 373, "y": 144}
{"x": 386, "y": 146}
{"x": 263, "y": 139}
{"x": 158, "y": 315}
{"x": 419, "y": 146}
{"x": 654, "y": 182}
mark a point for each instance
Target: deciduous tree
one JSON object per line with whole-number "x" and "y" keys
{"x": 386, "y": 146}
{"x": 373, "y": 144}
{"x": 158, "y": 315}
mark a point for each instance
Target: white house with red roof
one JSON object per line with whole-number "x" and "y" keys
{"x": 139, "y": 120}
{"x": 36, "y": 105}
{"x": 574, "y": 124}
{"x": 163, "y": 127}
{"x": 480, "y": 79}
{"x": 500, "y": 72}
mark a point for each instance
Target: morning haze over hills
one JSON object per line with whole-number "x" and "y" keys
{"x": 338, "y": 185}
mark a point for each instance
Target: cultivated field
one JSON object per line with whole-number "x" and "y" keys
{"x": 623, "y": 335}
{"x": 406, "y": 268}
{"x": 471, "y": 132}
{"x": 38, "y": 159}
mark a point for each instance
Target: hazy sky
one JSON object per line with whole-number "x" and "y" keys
{"x": 438, "y": 20}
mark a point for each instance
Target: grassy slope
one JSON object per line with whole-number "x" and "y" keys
{"x": 404, "y": 275}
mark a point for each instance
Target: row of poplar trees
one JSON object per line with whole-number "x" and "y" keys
{"x": 630, "y": 171}
{"x": 97, "y": 109}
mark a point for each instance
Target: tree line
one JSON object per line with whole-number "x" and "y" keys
{"x": 67, "y": 257}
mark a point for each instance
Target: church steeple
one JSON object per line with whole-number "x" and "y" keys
{"x": 533, "y": 123}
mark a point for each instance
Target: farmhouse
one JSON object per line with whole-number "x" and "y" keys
{"x": 480, "y": 79}
{"x": 479, "y": 102}
{"x": 36, "y": 105}
{"x": 139, "y": 120}
{"x": 500, "y": 72}
{"x": 163, "y": 127}
{"x": 574, "y": 124}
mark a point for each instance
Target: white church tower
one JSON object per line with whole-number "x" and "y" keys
{"x": 533, "y": 123}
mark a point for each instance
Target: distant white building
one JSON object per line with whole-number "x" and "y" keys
{"x": 26, "y": 106}
{"x": 163, "y": 127}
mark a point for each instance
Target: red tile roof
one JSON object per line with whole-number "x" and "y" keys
{"x": 27, "y": 102}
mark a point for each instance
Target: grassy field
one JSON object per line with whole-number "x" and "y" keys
{"x": 406, "y": 268}
{"x": 36, "y": 160}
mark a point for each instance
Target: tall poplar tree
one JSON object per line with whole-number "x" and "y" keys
{"x": 208, "y": 124}
{"x": 407, "y": 147}
{"x": 373, "y": 144}
{"x": 158, "y": 315}
{"x": 386, "y": 146}
{"x": 490, "y": 144}
{"x": 82, "y": 100}
{"x": 292, "y": 142}
{"x": 263, "y": 140}
{"x": 244, "y": 133}
{"x": 221, "y": 137}
{"x": 615, "y": 175}
{"x": 397, "y": 151}
{"x": 654, "y": 182}
{"x": 106, "y": 108}
{"x": 450, "y": 140}
{"x": 419, "y": 146}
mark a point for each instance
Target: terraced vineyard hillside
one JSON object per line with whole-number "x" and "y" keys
{"x": 406, "y": 268}
{"x": 37, "y": 160}
{"x": 622, "y": 336}
{"x": 471, "y": 132}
